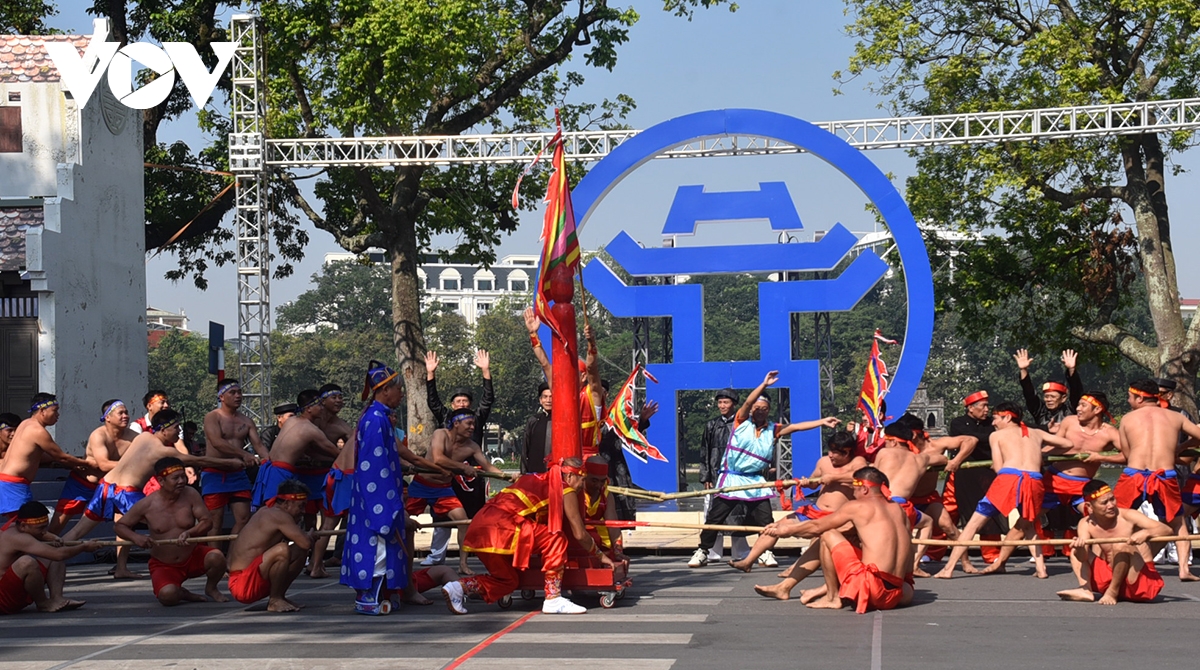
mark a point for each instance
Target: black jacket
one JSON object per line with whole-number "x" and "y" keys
{"x": 618, "y": 469}
{"x": 1041, "y": 415}
{"x": 712, "y": 447}
{"x": 979, "y": 429}
{"x": 482, "y": 412}
{"x": 535, "y": 448}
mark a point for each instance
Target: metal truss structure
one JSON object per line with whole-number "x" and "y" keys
{"x": 252, "y": 156}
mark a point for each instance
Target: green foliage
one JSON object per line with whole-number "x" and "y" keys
{"x": 25, "y": 17}
{"x": 1066, "y": 228}
{"x": 515, "y": 374}
{"x": 347, "y": 296}
{"x": 179, "y": 366}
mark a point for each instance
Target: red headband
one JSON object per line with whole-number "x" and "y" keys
{"x": 596, "y": 469}
{"x": 1054, "y": 386}
{"x": 975, "y": 397}
{"x": 1017, "y": 419}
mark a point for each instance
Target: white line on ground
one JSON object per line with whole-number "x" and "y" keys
{"x": 1190, "y": 597}
{"x": 509, "y": 663}
{"x": 877, "y": 642}
{"x": 624, "y": 640}
{"x": 620, "y": 615}
{"x": 676, "y": 590}
{"x": 250, "y": 664}
{"x": 675, "y": 602}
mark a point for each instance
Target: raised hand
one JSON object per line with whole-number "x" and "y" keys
{"x": 771, "y": 378}
{"x": 648, "y": 410}
{"x": 1023, "y": 359}
{"x": 482, "y": 360}
{"x": 431, "y": 363}
{"x": 531, "y": 321}
{"x": 1068, "y": 359}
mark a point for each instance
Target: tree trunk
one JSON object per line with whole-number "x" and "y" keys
{"x": 408, "y": 335}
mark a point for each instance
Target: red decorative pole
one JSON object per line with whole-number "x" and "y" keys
{"x": 565, "y": 431}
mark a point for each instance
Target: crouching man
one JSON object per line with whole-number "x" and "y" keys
{"x": 269, "y": 553}
{"x": 1119, "y": 571}
{"x": 174, "y": 514}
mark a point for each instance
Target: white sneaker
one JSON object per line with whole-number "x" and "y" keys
{"x": 768, "y": 559}
{"x": 431, "y": 561}
{"x": 455, "y": 597}
{"x": 699, "y": 559}
{"x": 713, "y": 556}
{"x": 561, "y": 605}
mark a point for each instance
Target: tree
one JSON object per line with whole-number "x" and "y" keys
{"x": 25, "y": 17}
{"x": 179, "y": 366}
{"x": 347, "y": 295}
{"x": 1056, "y": 252}
{"x": 415, "y": 67}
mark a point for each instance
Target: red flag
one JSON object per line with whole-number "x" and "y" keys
{"x": 560, "y": 247}
{"x": 620, "y": 418}
{"x": 874, "y": 387}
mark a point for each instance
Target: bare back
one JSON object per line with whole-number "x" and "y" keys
{"x": 268, "y": 527}
{"x": 883, "y": 531}
{"x": 137, "y": 465}
{"x": 1151, "y": 437}
{"x": 1010, "y": 449}
{"x": 301, "y": 439}
{"x": 903, "y": 469}
{"x": 24, "y": 454}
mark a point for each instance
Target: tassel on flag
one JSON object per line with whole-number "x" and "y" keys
{"x": 874, "y": 388}
{"x": 620, "y": 419}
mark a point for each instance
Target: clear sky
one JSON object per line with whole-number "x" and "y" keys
{"x": 775, "y": 55}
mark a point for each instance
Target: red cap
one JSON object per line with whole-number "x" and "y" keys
{"x": 975, "y": 397}
{"x": 1054, "y": 386}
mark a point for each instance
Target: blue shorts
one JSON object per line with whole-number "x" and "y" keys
{"x": 221, "y": 481}
{"x": 270, "y": 476}
{"x": 110, "y": 500}
{"x": 337, "y": 492}
{"x": 14, "y": 492}
{"x": 76, "y": 494}
{"x": 314, "y": 479}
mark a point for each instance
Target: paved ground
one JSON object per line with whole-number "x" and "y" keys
{"x": 672, "y": 617}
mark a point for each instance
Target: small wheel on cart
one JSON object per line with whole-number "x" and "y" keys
{"x": 621, "y": 594}
{"x": 505, "y": 602}
{"x": 608, "y": 599}
{"x": 385, "y": 607}
{"x": 527, "y": 594}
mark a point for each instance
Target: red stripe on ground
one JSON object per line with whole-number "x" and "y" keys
{"x": 488, "y": 642}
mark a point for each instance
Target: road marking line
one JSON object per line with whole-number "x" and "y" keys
{"x": 628, "y": 615}
{"x": 676, "y": 590}
{"x": 249, "y": 664}
{"x": 67, "y": 664}
{"x": 877, "y": 642}
{"x": 559, "y": 638}
{"x": 675, "y": 602}
{"x": 625, "y": 663}
{"x": 495, "y": 637}
{"x": 1190, "y": 597}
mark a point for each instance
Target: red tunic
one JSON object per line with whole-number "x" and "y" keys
{"x": 589, "y": 423}
{"x": 504, "y": 525}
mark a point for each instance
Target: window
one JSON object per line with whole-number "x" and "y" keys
{"x": 10, "y": 130}
{"x": 450, "y": 284}
{"x": 483, "y": 308}
{"x": 518, "y": 281}
{"x": 483, "y": 284}
{"x": 451, "y": 304}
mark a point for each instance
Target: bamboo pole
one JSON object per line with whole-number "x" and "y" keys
{"x": 1054, "y": 542}
{"x": 741, "y": 487}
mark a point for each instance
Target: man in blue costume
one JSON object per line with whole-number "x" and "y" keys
{"x": 374, "y": 560}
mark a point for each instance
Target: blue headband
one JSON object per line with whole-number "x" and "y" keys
{"x": 115, "y": 405}
{"x": 459, "y": 415}
{"x": 45, "y": 404}
{"x": 330, "y": 394}
{"x": 226, "y": 388}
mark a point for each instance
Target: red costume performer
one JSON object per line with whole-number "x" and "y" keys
{"x": 511, "y": 528}
{"x": 866, "y": 585}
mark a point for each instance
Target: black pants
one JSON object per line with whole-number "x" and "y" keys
{"x": 756, "y": 512}
{"x": 970, "y": 486}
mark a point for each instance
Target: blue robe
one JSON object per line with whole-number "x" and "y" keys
{"x": 376, "y": 505}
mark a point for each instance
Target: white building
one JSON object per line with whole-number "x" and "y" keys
{"x": 72, "y": 242}
{"x": 468, "y": 289}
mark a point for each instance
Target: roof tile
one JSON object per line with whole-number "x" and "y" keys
{"x": 23, "y": 58}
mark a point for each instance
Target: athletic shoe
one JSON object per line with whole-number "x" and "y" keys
{"x": 453, "y": 593}
{"x": 713, "y": 555}
{"x": 561, "y": 605}
{"x": 768, "y": 560}
{"x": 431, "y": 561}
{"x": 699, "y": 559}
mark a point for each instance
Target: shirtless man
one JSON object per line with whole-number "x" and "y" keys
{"x": 315, "y": 467}
{"x": 906, "y": 459}
{"x": 173, "y": 514}
{"x": 262, "y": 563}
{"x": 1122, "y": 571}
{"x": 8, "y": 426}
{"x": 299, "y": 439}
{"x": 104, "y": 448}
{"x": 452, "y": 449}
{"x": 1090, "y": 435}
{"x": 123, "y": 486}
{"x": 334, "y": 504}
{"x": 30, "y": 444}
{"x": 31, "y": 559}
{"x": 873, "y": 575}
{"x": 835, "y": 472}
{"x": 226, "y": 431}
{"x": 1150, "y": 435}
{"x": 1017, "y": 460}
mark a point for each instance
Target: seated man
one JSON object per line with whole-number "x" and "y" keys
{"x": 598, "y": 506}
{"x": 175, "y": 513}
{"x": 261, "y": 562}
{"x": 31, "y": 559}
{"x": 520, "y": 521}
{"x": 834, "y": 471}
{"x": 870, "y": 575}
{"x": 1118, "y": 571}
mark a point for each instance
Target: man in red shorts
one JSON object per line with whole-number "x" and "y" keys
{"x": 175, "y": 512}
{"x": 873, "y": 575}
{"x": 453, "y": 448}
{"x": 262, "y": 563}
{"x": 1017, "y": 460}
{"x": 529, "y": 517}
{"x": 1119, "y": 571}
{"x": 29, "y": 563}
